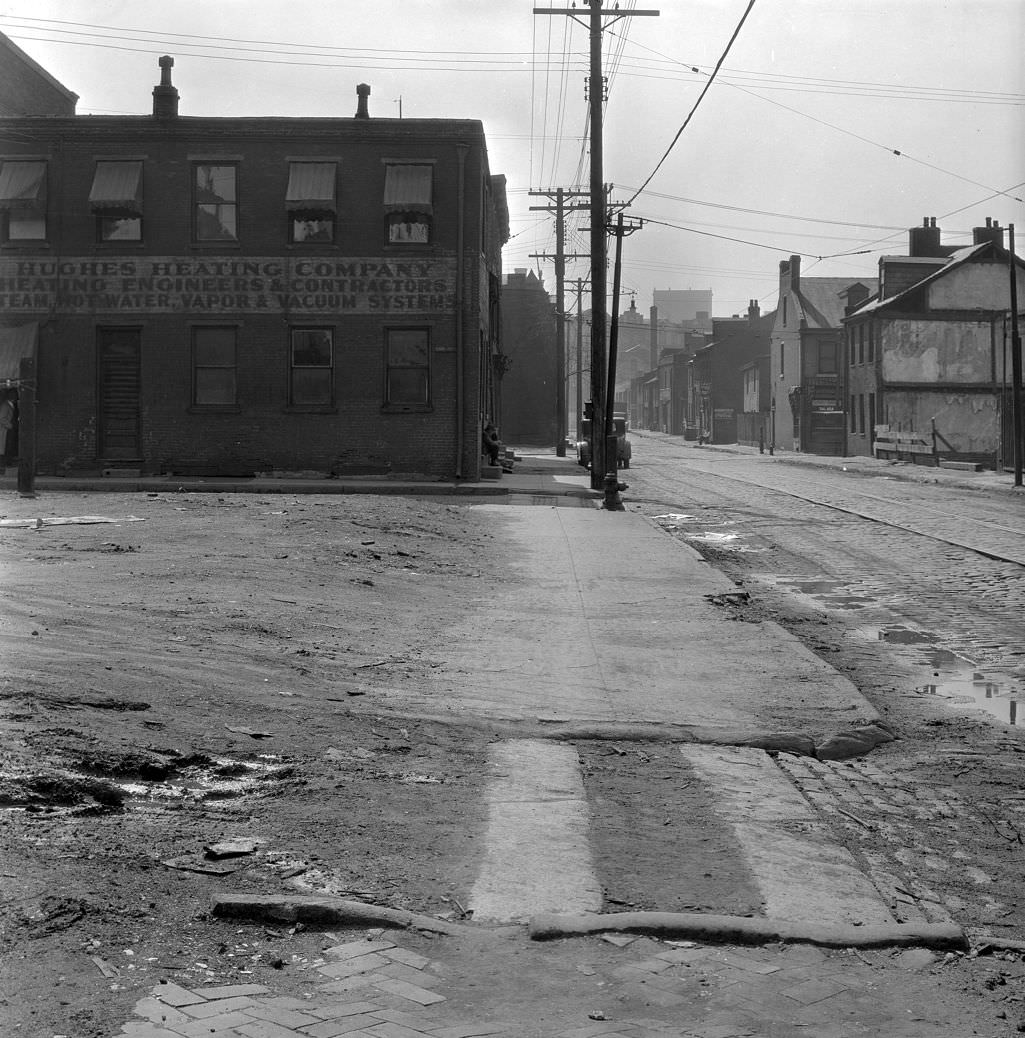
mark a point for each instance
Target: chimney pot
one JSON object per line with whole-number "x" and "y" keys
{"x": 362, "y": 106}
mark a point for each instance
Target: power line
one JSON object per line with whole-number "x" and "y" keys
{"x": 711, "y": 80}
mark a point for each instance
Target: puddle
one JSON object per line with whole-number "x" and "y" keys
{"x": 953, "y": 678}
{"x": 821, "y": 593}
{"x": 215, "y": 779}
{"x": 675, "y": 522}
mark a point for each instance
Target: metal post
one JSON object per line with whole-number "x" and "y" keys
{"x": 27, "y": 428}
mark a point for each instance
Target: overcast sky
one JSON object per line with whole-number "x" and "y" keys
{"x": 790, "y": 151}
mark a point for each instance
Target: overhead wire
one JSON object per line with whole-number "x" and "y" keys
{"x": 701, "y": 96}
{"x": 839, "y": 129}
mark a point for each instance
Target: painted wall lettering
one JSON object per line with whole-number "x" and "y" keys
{"x": 227, "y": 285}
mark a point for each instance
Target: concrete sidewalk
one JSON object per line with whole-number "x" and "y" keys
{"x": 613, "y": 630}
{"x": 537, "y": 472}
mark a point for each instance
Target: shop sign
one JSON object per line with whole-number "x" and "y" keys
{"x": 227, "y": 285}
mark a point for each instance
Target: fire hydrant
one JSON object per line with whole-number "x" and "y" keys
{"x": 613, "y": 502}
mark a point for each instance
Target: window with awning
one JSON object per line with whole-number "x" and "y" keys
{"x": 311, "y": 188}
{"x": 23, "y": 185}
{"x": 409, "y": 188}
{"x": 23, "y": 200}
{"x": 408, "y": 203}
{"x": 117, "y": 189}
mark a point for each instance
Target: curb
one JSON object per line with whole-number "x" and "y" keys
{"x": 312, "y": 908}
{"x": 727, "y": 929}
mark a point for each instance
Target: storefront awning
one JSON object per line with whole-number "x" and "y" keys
{"x": 117, "y": 188}
{"x": 15, "y": 343}
{"x": 311, "y": 187}
{"x": 23, "y": 185}
{"x": 409, "y": 189}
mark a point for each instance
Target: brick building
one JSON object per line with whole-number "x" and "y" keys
{"x": 529, "y": 388}
{"x": 234, "y": 296}
{"x": 26, "y": 88}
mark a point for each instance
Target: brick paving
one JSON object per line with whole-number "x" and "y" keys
{"x": 651, "y": 989}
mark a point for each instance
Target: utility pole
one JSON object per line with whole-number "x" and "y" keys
{"x": 560, "y": 305}
{"x": 621, "y": 231}
{"x": 1016, "y": 401}
{"x": 599, "y": 259}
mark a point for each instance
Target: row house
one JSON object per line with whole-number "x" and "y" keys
{"x": 807, "y": 395}
{"x": 716, "y": 405}
{"x": 928, "y": 359}
{"x": 204, "y": 296}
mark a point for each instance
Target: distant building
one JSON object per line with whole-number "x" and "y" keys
{"x": 235, "y": 296}
{"x": 529, "y": 391}
{"x": 717, "y": 402}
{"x": 928, "y": 358}
{"x": 683, "y": 305}
{"x": 27, "y": 88}
{"x": 806, "y": 367}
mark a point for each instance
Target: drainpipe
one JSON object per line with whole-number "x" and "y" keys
{"x": 461, "y": 150}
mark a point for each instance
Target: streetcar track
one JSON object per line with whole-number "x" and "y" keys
{"x": 998, "y": 554}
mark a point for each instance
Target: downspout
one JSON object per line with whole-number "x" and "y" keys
{"x": 461, "y": 150}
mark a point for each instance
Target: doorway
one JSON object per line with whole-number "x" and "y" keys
{"x": 118, "y": 369}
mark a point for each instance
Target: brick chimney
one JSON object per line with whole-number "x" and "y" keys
{"x": 791, "y": 269}
{"x": 362, "y": 106}
{"x": 753, "y": 310}
{"x": 165, "y": 95}
{"x": 991, "y": 232}
{"x": 925, "y": 240}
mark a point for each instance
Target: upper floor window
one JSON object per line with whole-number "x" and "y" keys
{"x": 407, "y": 366}
{"x": 408, "y": 203}
{"x": 310, "y": 202}
{"x": 216, "y": 202}
{"x": 214, "y": 366}
{"x": 116, "y": 200}
{"x": 311, "y": 367}
{"x": 23, "y": 200}
{"x": 827, "y": 358}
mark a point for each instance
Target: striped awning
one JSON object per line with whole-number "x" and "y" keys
{"x": 16, "y": 342}
{"x": 117, "y": 188}
{"x": 311, "y": 187}
{"x": 409, "y": 189}
{"x": 22, "y": 185}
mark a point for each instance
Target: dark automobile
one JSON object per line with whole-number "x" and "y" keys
{"x": 623, "y": 449}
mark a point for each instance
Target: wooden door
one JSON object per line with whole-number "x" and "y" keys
{"x": 118, "y": 426}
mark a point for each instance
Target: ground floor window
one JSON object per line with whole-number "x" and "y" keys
{"x": 407, "y": 366}
{"x": 214, "y": 367}
{"x": 311, "y": 367}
